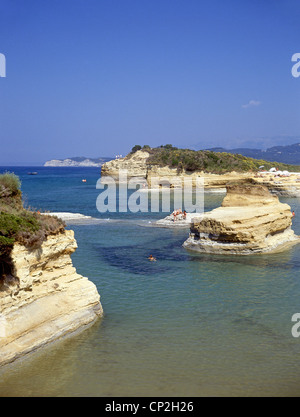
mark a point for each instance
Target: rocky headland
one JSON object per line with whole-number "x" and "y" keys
{"x": 135, "y": 165}
{"x": 45, "y": 298}
{"x": 42, "y": 297}
{"x": 215, "y": 169}
{"x": 251, "y": 220}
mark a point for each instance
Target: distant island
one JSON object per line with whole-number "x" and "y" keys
{"x": 78, "y": 161}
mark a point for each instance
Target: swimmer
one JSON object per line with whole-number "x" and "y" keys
{"x": 151, "y": 258}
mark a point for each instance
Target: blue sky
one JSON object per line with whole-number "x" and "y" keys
{"x": 95, "y": 77}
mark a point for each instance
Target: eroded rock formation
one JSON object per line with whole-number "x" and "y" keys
{"x": 45, "y": 298}
{"x": 250, "y": 220}
{"x": 137, "y": 165}
{"x": 134, "y": 164}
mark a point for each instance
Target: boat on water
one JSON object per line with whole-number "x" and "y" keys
{"x": 31, "y": 173}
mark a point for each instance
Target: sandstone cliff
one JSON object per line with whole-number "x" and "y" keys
{"x": 282, "y": 186}
{"x": 250, "y": 220}
{"x": 134, "y": 164}
{"x": 137, "y": 165}
{"x": 46, "y": 299}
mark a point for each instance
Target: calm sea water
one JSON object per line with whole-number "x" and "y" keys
{"x": 187, "y": 325}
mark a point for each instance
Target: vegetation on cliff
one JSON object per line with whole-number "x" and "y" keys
{"x": 18, "y": 224}
{"x": 207, "y": 161}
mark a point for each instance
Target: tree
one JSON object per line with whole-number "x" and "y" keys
{"x": 136, "y": 148}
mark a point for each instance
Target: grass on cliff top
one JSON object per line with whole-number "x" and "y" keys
{"x": 17, "y": 224}
{"x": 207, "y": 161}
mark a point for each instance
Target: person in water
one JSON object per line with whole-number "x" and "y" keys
{"x": 151, "y": 258}
{"x": 293, "y": 213}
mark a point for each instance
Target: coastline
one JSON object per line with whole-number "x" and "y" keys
{"x": 287, "y": 185}
{"x": 182, "y": 294}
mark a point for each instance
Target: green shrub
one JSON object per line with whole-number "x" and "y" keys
{"x": 12, "y": 227}
{"x": 19, "y": 224}
{"x": 9, "y": 183}
{"x": 136, "y": 148}
{"x": 6, "y": 241}
{"x": 10, "y": 193}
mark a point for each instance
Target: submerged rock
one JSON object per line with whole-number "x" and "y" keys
{"x": 250, "y": 220}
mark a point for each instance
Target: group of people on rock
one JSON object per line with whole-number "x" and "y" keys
{"x": 179, "y": 214}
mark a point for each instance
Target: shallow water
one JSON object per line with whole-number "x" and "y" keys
{"x": 186, "y": 325}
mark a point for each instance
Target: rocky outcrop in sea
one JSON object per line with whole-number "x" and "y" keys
{"x": 251, "y": 220}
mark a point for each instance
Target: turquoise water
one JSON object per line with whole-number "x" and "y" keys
{"x": 187, "y": 325}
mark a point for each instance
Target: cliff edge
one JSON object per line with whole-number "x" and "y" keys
{"x": 42, "y": 297}
{"x": 45, "y": 299}
{"x": 135, "y": 164}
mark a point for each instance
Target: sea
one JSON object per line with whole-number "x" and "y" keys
{"x": 187, "y": 325}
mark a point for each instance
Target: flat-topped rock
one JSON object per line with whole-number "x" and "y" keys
{"x": 250, "y": 220}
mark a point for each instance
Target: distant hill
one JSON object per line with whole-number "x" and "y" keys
{"x": 77, "y": 161}
{"x": 288, "y": 154}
